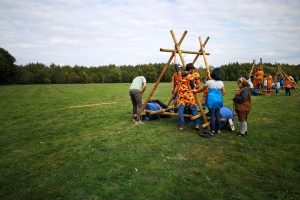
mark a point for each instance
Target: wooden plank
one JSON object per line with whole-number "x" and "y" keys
{"x": 182, "y": 51}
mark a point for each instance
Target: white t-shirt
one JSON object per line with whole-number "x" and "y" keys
{"x": 214, "y": 84}
{"x": 137, "y": 83}
{"x": 250, "y": 83}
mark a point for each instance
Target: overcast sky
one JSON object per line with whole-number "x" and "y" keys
{"x": 100, "y": 32}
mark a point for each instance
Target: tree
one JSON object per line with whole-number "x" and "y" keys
{"x": 7, "y": 67}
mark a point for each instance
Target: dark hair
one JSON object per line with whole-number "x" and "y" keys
{"x": 216, "y": 74}
{"x": 189, "y": 67}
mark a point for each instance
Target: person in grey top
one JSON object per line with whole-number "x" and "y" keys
{"x": 136, "y": 91}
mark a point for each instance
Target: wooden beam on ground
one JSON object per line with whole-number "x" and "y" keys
{"x": 161, "y": 110}
{"x": 174, "y": 114}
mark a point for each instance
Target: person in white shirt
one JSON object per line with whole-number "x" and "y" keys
{"x": 214, "y": 101}
{"x": 277, "y": 86}
{"x": 136, "y": 91}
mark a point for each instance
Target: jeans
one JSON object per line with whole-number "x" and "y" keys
{"x": 214, "y": 115}
{"x": 181, "y": 114}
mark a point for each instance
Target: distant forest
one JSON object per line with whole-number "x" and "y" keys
{"x": 38, "y": 73}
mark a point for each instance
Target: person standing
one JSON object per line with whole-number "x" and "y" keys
{"x": 242, "y": 104}
{"x": 287, "y": 85}
{"x": 277, "y": 86}
{"x": 269, "y": 84}
{"x": 136, "y": 91}
{"x": 186, "y": 98}
{"x": 214, "y": 101}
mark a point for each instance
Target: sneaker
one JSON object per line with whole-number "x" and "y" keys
{"x": 218, "y": 131}
{"x": 139, "y": 123}
{"x": 180, "y": 128}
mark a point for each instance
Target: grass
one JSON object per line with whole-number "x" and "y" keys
{"x": 78, "y": 142}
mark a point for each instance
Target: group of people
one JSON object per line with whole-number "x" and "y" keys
{"x": 186, "y": 86}
{"x": 260, "y": 81}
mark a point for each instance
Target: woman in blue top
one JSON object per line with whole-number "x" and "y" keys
{"x": 214, "y": 101}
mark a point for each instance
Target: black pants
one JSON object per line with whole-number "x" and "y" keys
{"x": 287, "y": 91}
{"x": 136, "y": 99}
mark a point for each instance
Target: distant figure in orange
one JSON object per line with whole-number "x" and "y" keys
{"x": 269, "y": 83}
{"x": 260, "y": 77}
{"x": 287, "y": 85}
{"x": 255, "y": 80}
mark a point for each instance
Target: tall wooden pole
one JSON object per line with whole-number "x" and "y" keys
{"x": 177, "y": 47}
{"x": 204, "y": 56}
{"x": 163, "y": 71}
{"x": 200, "y": 51}
{"x": 251, "y": 71}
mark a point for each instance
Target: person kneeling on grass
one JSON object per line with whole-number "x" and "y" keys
{"x": 242, "y": 103}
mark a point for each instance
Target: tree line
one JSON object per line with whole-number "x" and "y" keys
{"x": 39, "y": 73}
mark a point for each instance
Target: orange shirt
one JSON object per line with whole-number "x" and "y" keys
{"x": 287, "y": 83}
{"x": 185, "y": 94}
{"x": 260, "y": 76}
{"x": 175, "y": 79}
{"x": 269, "y": 82}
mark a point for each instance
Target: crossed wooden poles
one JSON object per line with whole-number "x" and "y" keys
{"x": 175, "y": 51}
{"x": 284, "y": 75}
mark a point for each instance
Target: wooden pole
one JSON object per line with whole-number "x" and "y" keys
{"x": 251, "y": 71}
{"x": 182, "y": 51}
{"x": 204, "y": 56}
{"x": 161, "y": 110}
{"x": 177, "y": 47}
{"x": 200, "y": 51}
{"x": 173, "y": 95}
{"x": 288, "y": 77}
{"x": 163, "y": 72}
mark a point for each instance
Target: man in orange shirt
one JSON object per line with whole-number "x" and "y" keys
{"x": 287, "y": 85}
{"x": 260, "y": 77}
{"x": 269, "y": 83}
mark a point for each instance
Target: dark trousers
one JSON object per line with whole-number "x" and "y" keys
{"x": 287, "y": 91}
{"x": 136, "y": 99}
{"x": 214, "y": 115}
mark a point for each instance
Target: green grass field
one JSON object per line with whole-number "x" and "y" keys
{"x": 78, "y": 142}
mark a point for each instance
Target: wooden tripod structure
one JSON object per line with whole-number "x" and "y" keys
{"x": 284, "y": 75}
{"x": 174, "y": 52}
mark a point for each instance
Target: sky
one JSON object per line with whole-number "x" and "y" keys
{"x": 131, "y": 32}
